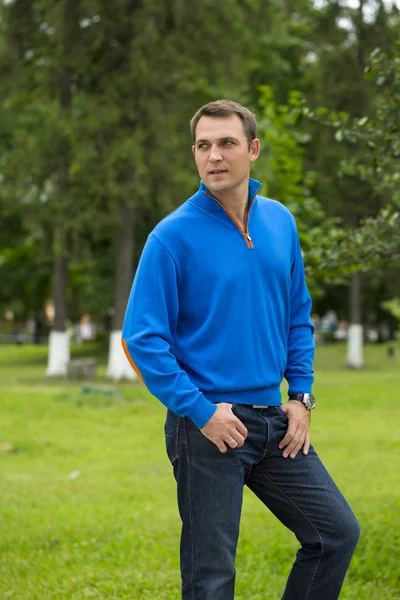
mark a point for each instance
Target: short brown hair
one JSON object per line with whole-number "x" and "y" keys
{"x": 227, "y": 108}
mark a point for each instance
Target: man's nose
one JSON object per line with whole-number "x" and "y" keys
{"x": 215, "y": 154}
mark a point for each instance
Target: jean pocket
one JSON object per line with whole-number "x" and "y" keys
{"x": 282, "y": 412}
{"x": 171, "y": 430}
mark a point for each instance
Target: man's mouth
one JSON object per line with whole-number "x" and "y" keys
{"x": 217, "y": 171}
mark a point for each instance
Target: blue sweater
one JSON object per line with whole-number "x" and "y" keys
{"x": 217, "y": 314}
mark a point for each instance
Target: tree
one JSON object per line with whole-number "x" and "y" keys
{"x": 139, "y": 140}
{"x": 41, "y": 62}
{"x": 374, "y": 141}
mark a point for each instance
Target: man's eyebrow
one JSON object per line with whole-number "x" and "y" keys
{"x": 223, "y": 139}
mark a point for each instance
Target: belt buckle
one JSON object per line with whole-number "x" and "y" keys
{"x": 259, "y": 406}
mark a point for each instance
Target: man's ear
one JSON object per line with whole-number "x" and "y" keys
{"x": 254, "y": 149}
{"x": 193, "y": 149}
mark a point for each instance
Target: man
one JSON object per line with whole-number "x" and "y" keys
{"x": 219, "y": 313}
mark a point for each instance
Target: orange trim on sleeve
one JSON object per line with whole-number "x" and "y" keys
{"x": 128, "y": 356}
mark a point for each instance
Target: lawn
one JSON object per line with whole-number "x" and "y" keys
{"x": 87, "y": 497}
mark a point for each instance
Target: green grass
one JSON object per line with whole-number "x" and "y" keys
{"x": 87, "y": 497}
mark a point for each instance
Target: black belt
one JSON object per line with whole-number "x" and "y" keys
{"x": 258, "y": 406}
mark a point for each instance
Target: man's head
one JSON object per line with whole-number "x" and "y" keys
{"x": 226, "y": 108}
{"x": 225, "y": 144}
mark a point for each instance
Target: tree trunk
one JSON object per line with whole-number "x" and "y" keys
{"x": 58, "y": 357}
{"x": 392, "y": 324}
{"x": 118, "y": 364}
{"x": 60, "y": 279}
{"x": 355, "y": 334}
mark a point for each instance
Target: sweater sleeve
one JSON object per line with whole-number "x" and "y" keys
{"x": 149, "y": 328}
{"x": 300, "y": 355}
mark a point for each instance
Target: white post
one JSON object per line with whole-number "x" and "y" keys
{"x": 118, "y": 365}
{"x": 58, "y": 356}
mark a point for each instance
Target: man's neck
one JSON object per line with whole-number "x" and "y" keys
{"x": 235, "y": 201}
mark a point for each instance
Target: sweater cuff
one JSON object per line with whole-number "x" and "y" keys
{"x": 300, "y": 385}
{"x": 202, "y": 412}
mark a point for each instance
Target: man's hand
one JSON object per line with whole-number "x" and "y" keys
{"x": 225, "y": 429}
{"x": 298, "y": 433}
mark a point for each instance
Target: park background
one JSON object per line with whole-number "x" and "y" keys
{"x": 95, "y": 102}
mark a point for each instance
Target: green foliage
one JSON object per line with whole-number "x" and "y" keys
{"x": 27, "y": 277}
{"x": 392, "y": 307}
{"x": 136, "y": 73}
{"x": 375, "y": 140}
{"x": 331, "y": 253}
{"x": 281, "y": 162}
{"x": 375, "y": 160}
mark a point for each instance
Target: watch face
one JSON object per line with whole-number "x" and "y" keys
{"x": 309, "y": 400}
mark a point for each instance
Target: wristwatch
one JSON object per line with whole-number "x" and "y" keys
{"x": 307, "y": 399}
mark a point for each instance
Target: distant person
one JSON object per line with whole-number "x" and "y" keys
{"x": 86, "y": 329}
{"x": 218, "y": 314}
{"x": 329, "y": 322}
{"x": 17, "y": 333}
{"x": 316, "y": 321}
{"x": 341, "y": 331}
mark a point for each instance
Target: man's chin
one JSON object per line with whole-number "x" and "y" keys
{"x": 219, "y": 186}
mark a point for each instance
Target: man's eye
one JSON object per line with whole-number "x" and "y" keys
{"x": 202, "y": 146}
{"x": 228, "y": 143}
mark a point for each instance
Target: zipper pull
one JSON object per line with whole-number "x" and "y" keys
{"x": 248, "y": 237}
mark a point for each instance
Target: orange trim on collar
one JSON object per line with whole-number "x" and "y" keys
{"x": 245, "y": 234}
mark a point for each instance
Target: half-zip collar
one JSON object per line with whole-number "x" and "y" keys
{"x": 207, "y": 201}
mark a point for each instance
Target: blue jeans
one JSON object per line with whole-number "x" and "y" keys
{"x": 299, "y": 492}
